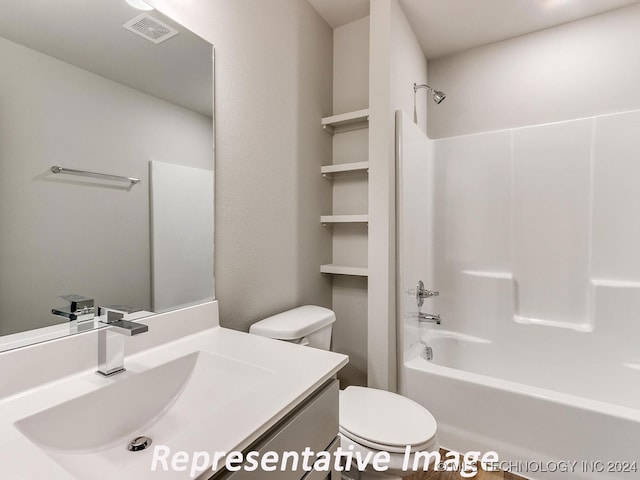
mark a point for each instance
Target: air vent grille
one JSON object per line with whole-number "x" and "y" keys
{"x": 150, "y": 28}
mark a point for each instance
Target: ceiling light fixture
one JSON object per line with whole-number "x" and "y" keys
{"x": 140, "y": 5}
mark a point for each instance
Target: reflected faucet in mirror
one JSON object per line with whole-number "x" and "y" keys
{"x": 80, "y": 308}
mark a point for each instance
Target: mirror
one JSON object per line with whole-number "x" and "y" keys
{"x": 80, "y": 91}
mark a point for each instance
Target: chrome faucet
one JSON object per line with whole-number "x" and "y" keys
{"x": 428, "y": 318}
{"x": 422, "y": 293}
{"x": 81, "y": 308}
{"x": 111, "y": 340}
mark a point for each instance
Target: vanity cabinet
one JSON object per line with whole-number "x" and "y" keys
{"x": 313, "y": 424}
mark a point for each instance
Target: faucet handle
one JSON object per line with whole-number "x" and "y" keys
{"x": 112, "y": 316}
{"x": 422, "y": 293}
{"x": 124, "y": 309}
{"x": 120, "y": 308}
{"x": 115, "y": 320}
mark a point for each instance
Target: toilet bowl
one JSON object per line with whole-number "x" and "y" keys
{"x": 371, "y": 420}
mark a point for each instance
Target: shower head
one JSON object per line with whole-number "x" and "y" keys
{"x": 438, "y": 96}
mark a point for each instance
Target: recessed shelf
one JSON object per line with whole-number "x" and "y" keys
{"x": 346, "y": 121}
{"x": 342, "y": 270}
{"x": 329, "y": 170}
{"x": 333, "y": 219}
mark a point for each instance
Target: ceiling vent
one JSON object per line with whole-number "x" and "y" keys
{"x": 150, "y": 28}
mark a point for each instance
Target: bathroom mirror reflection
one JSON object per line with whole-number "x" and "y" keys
{"x": 81, "y": 91}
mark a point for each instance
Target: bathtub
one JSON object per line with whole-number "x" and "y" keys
{"x": 542, "y": 427}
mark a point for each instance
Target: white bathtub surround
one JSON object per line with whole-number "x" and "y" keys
{"x": 529, "y": 235}
{"x": 61, "y": 370}
{"x": 550, "y": 222}
{"x": 535, "y": 224}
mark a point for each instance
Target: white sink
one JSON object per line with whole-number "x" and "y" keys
{"x": 177, "y": 404}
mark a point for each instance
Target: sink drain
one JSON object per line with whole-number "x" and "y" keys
{"x": 139, "y": 443}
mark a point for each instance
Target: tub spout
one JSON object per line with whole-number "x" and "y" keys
{"x": 428, "y": 318}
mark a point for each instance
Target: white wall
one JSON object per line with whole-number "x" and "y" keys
{"x": 273, "y": 84}
{"x": 396, "y": 62}
{"x": 588, "y": 67}
{"x": 64, "y": 234}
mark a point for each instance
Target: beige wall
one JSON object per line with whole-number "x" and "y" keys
{"x": 65, "y": 234}
{"x": 584, "y": 68}
{"x": 351, "y": 67}
{"x": 396, "y": 62}
{"x": 350, "y": 196}
{"x": 408, "y": 66}
{"x": 273, "y": 83}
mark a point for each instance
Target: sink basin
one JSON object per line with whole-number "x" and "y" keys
{"x": 182, "y": 403}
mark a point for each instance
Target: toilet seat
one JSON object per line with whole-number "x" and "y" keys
{"x": 385, "y": 421}
{"x": 396, "y": 464}
{"x": 388, "y": 448}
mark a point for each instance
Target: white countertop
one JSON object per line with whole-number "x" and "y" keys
{"x": 297, "y": 372}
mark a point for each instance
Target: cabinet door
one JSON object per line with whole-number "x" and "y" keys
{"x": 324, "y": 475}
{"x": 314, "y": 424}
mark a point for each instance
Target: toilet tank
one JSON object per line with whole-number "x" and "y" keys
{"x": 308, "y": 325}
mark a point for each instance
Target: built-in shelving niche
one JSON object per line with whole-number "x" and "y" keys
{"x": 337, "y": 124}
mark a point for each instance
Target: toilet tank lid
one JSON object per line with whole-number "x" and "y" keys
{"x": 294, "y": 324}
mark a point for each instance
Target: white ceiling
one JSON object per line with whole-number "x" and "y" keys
{"x": 340, "y": 12}
{"x": 89, "y": 35}
{"x": 444, "y": 27}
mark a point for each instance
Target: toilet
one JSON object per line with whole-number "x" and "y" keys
{"x": 371, "y": 420}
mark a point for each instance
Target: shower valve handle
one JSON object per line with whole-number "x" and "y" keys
{"x": 422, "y": 293}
